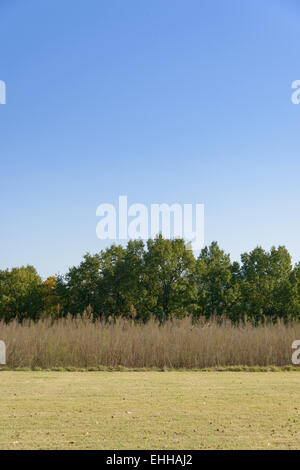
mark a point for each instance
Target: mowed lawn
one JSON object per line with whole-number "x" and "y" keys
{"x": 149, "y": 410}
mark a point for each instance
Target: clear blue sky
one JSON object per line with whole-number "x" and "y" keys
{"x": 162, "y": 100}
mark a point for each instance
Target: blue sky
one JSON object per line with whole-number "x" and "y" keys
{"x": 160, "y": 100}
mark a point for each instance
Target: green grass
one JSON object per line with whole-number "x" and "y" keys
{"x": 149, "y": 410}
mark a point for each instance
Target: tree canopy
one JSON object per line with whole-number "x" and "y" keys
{"x": 161, "y": 278}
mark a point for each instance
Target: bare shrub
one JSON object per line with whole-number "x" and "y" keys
{"x": 82, "y": 343}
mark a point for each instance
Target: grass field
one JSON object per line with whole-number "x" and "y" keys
{"x": 149, "y": 410}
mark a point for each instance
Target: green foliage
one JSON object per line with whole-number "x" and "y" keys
{"x": 161, "y": 279}
{"x": 50, "y": 297}
{"x": 217, "y": 291}
{"x": 169, "y": 279}
{"x": 266, "y": 283}
{"x": 79, "y": 288}
{"x": 20, "y": 294}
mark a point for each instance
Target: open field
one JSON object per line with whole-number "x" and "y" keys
{"x": 149, "y": 410}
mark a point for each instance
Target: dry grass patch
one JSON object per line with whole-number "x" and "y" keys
{"x": 80, "y": 343}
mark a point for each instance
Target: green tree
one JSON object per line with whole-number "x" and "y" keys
{"x": 217, "y": 283}
{"x": 78, "y": 289}
{"x": 168, "y": 279}
{"x": 20, "y": 294}
{"x": 111, "y": 292}
{"x": 266, "y": 283}
{"x": 50, "y": 298}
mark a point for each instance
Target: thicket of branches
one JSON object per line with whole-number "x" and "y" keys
{"x": 81, "y": 343}
{"x": 161, "y": 279}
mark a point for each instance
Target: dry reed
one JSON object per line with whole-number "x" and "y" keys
{"x": 176, "y": 344}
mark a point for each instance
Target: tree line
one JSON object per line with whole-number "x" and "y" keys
{"x": 160, "y": 279}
